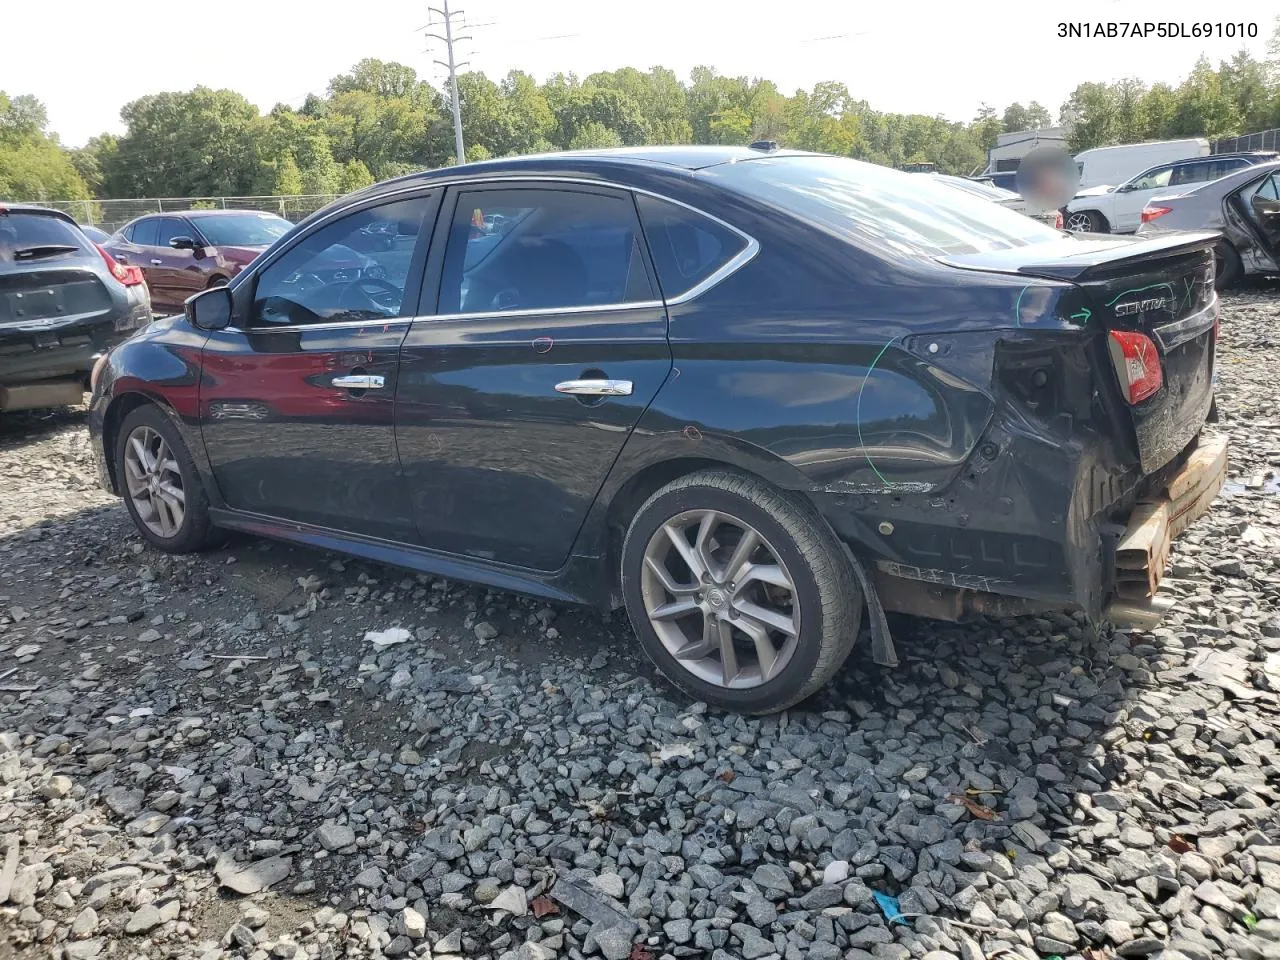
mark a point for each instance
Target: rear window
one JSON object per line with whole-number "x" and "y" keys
{"x": 37, "y": 236}
{"x": 904, "y": 212}
{"x": 687, "y": 247}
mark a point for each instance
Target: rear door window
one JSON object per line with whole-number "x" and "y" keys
{"x": 687, "y": 247}
{"x": 37, "y": 236}
{"x": 144, "y": 233}
{"x": 542, "y": 249}
{"x": 1189, "y": 173}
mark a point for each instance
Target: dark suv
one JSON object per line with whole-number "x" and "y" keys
{"x": 63, "y": 304}
{"x": 184, "y": 253}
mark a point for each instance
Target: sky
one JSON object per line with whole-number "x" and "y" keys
{"x": 929, "y": 57}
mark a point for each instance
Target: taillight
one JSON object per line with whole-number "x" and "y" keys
{"x": 128, "y": 275}
{"x": 1150, "y": 213}
{"x": 1057, "y": 220}
{"x": 1137, "y": 364}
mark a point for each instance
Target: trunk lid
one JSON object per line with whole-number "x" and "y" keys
{"x": 1161, "y": 287}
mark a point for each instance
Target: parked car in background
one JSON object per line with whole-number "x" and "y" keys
{"x": 747, "y": 394}
{"x": 184, "y": 253}
{"x": 93, "y": 233}
{"x": 1244, "y": 206}
{"x": 1119, "y": 209}
{"x": 63, "y": 304}
{"x": 1006, "y": 198}
{"x": 1005, "y": 181}
{"x": 1107, "y": 166}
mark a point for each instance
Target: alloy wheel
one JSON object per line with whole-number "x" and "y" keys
{"x": 720, "y": 599}
{"x": 154, "y": 480}
{"x": 1080, "y": 223}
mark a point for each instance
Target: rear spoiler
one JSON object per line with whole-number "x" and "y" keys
{"x": 1074, "y": 258}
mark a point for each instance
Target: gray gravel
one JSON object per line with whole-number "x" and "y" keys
{"x": 208, "y": 757}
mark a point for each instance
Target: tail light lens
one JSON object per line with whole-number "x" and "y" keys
{"x": 1137, "y": 364}
{"x": 1150, "y": 213}
{"x": 130, "y": 276}
{"x": 1057, "y": 221}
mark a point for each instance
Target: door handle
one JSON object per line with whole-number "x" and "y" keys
{"x": 360, "y": 381}
{"x": 155, "y": 262}
{"x": 122, "y": 258}
{"x": 595, "y": 388}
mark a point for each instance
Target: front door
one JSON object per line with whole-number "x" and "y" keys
{"x": 296, "y": 401}
{"x": 548, "y": 340}
{"x": 174, "y": 273}
{"x": 1133, "y": 196}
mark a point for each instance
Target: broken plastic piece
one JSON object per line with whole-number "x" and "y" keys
{"x": 889, "y": 907}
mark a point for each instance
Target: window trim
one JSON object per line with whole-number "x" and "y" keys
{"x": 731, "y": 267}
{"x": 444, "y": 228}
{"x": 244, "y": 285}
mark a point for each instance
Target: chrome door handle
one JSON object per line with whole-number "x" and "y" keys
{"x": 360, "y": 381}
{"x": 156, "y": 263}
{"x": 596, "y": 388}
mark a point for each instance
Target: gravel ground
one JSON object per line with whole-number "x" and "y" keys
{"x": 270, "y": 752}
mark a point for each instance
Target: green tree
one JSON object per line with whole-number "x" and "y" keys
{"x": 987, "y": 127}
{"x": 355, "y": 176}
{"x": 1015, "y": 118}
{"x": 593, "y": 135}
{"x": 198, "y": 143}
{"x": 379, "y": 77}
{"x": 33, "y": 165}
{"x": 1090, "y": 115}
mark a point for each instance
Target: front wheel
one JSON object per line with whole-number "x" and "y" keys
{"x": 161, "y": 487}
{"x": 1087, "y": 221}
{"x": 739, "y": 594}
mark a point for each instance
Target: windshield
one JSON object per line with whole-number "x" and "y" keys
{"x": 242, "y": 229}
{"x": 37, "y": 236}
{"x": 902, "y": 211}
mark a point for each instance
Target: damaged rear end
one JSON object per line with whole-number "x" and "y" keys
{"x": 1096, "y": 449}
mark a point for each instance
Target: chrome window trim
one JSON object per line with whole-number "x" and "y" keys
{"x": 336, "y": 325}
{"x": 730, "y": 267}
{"x": 543, "y": 311}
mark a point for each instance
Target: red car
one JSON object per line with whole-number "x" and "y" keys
{"x": 184, "y": 253}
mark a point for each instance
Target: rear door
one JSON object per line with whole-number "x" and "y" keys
{"x": 296, "y": 401}
{"x": 176, "y": 273}
{"x": 522, "y": 381}
{"x": 1264, "y": 209}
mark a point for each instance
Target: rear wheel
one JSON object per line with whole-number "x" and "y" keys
{"x": 1087, "y": 221}
{"x": 161, "y": 487}
{"x": 1227, "y": 266}
{"x": 739, "y": 594}
{"x": 216, "y": 282}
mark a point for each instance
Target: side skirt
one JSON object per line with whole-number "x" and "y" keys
{"x": 578, "y": 581}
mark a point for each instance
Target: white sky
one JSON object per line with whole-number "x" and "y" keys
{"x": 929, "y": 56}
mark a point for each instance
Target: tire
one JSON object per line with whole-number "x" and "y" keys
{"x": 1228, "y": 270}
{"x": 1086, "y": 221}
{"x": 821, "y": 604}
{"x": 194, "y": 530}
{"x": 216, "y": 282}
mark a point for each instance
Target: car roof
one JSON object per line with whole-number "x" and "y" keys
{"x": 34, "y": 208}
{"x": 1245, "y": 154}
{"x": 686, "y": 159}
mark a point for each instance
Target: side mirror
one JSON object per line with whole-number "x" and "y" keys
{"x": 209, "y": 309}
{"x": 182, "y": 243}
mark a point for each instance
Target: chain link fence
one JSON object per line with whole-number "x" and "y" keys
{"x": 1263, "y": 140}
{"x": 111, "y": 215}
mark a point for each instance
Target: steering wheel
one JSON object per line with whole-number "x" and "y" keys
{"x": 374, "y": 293}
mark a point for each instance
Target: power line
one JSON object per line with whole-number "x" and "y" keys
{"x": 452, "y": 65}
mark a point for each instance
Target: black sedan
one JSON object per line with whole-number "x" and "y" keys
{"x": 1244, "y": 206}
{"x": 752, "y": 395}
{"x": 63, "y": 304}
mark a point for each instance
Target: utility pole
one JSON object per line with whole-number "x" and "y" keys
{"x": 449, "y": 40}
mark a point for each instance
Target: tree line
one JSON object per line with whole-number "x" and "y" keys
{"x": 380, "y": 120}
